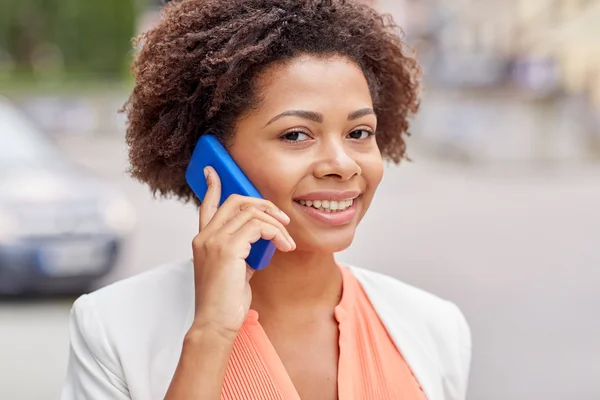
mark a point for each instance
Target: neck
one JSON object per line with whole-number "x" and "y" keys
{"x": 297, "y": 281}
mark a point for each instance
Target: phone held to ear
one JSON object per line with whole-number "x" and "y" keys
{"x": 210, "y": 152}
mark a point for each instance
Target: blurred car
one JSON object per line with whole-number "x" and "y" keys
{"x": 60, "y": 228}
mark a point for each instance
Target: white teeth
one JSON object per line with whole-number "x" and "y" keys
{"x": 327, "y": 205}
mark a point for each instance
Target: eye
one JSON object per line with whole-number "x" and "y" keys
{"x": 295, "y": 137}
{"x": 360, "y": 134}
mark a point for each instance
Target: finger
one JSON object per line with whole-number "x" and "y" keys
{"x": 269, "y": 208}
{"x": 249, "y": 273}
{"x": 254, "y": 230}
{"x": 240, "y": 219}
{"x": 236, "y": 203}
{"x": 210, "y": 205}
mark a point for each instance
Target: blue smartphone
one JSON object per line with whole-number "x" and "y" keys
{"x": 210, "y": 152}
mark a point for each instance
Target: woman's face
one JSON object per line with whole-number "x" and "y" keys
{"x": 309, "y": 148}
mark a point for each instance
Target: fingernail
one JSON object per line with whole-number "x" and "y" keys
{"x": 284, "y": 215}
{"x": 206, "y": 173}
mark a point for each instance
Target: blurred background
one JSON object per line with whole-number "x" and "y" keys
{"x": 499, "y": 210}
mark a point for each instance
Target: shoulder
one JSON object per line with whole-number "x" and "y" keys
{"x": 153, "y": 285}
{"x": 437, "y": 324}
{"x": 127, "y": 336}
{"x": 410, "y": 301}
{"x": 161, "y": 295}
{"x": 142, "y": 315}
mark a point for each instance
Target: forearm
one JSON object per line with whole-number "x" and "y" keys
{"x": 202, "y": 365}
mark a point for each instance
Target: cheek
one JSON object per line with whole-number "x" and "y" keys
{"x": 372, "y": 171}
{"x": 274, "y": 180}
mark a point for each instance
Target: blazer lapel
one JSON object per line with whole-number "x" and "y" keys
{"x": 409, "y": 339}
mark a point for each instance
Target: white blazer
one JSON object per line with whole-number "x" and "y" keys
{"x": 126, "y": 338}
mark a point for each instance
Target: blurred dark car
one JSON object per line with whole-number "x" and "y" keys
{"x": 60, "y": 229}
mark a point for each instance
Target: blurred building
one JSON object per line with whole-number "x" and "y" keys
{"x": 532, "y": 44}
{"x": 568, "y": 32}
{"x": 537, "y": 60}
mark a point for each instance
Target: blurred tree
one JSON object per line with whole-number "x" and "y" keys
{"x": 82, "y": 37}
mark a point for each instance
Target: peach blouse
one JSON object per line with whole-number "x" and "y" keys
{"x": 370, "y": 365}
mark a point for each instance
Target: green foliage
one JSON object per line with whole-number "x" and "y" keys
{"x": 82, "y": 38}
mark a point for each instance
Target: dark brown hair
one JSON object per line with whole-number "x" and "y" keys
{"x": 195, "y": 74}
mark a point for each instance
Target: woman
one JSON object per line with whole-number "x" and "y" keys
{"x": 296, "y": 90}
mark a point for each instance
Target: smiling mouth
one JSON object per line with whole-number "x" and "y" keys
{"x": 329, "y": 206}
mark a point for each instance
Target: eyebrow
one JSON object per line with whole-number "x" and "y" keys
{"x": 360, "y": 113}
{"x": 318, "y": 117}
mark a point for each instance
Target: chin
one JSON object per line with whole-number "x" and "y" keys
{"x": 333, "y": 242}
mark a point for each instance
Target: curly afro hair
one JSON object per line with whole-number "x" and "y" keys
{"x": 196, "y": 70}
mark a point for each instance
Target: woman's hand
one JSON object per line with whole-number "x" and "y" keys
{"x": 221, "y": 275}
{"x": 221, "y": 278}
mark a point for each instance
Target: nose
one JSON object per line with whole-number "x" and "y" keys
{"x": 336, "y": 161}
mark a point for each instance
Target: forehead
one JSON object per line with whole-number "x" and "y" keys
{"x": 313, "y": 80}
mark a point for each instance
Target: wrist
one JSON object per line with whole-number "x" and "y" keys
{"x": 202, "y": 363}
{"x": 203, "y": 331}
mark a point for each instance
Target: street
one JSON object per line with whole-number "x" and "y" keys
{"x": 517, "y": 248}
